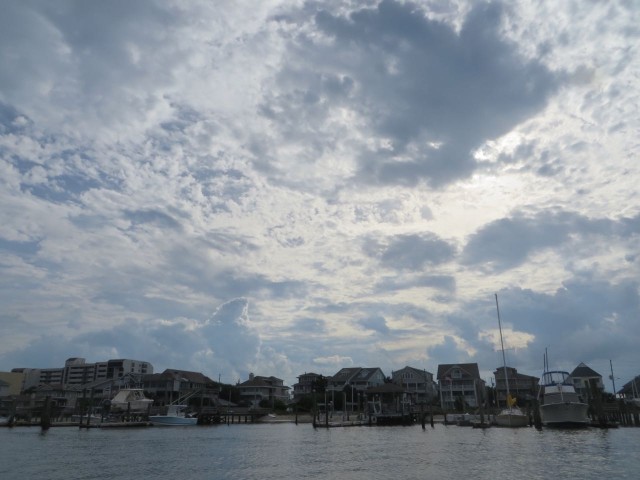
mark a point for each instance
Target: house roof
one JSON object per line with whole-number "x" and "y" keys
{"x": 193, "y": 377}
{"x": 345, "y": 374}
{"x": 470, "y": 369}
{"x": 417, "y": 371}
{"x": 583, "y": 370}
{"x": 355, "y": 374}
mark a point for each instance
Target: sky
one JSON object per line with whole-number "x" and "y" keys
{"x": 291, "y": 186}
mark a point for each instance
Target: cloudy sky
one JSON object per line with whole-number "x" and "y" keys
{"x": 288, "y": 186}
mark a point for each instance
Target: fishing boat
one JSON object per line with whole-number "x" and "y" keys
{"x": 560, "y": 405}
{"x": 131, "y": 399}
{"x": 175, "y": 416}
{"x": 511, "y": 416}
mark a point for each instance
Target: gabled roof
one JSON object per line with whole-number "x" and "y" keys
{"x": 193, "y": 377}
{"x": 344, "y": 374}
{"x": 417, "y": 371}
{"x": 470, "y": 369}
{"x": 583, "y": 371}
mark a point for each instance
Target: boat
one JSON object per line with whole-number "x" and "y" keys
{"x": 4, "y": 421}
{"x": 560, "y": 405}
{"x": 511, "y": 416}
{"x": 175, "y": 417}
{"x": 131, "y": 399}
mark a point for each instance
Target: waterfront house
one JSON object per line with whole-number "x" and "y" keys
{"x": 172, "y": 385}
{"x": 584, "y": 379}
{"x": 521, "y": 386}
{"x": 460, "y": 381}
{"x": 416, "y": 383}
{"x": 354, "y": 383}
{"x": 259, "y": 388}
{"x": 307, "y": 382}
{"x": 630, "y": 391}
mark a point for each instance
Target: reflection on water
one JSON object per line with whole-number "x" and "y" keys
{"x": 290, "y": 451}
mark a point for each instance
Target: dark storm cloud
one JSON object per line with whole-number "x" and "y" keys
{"x": 508, "y": 242}
{"x": 376, "y": 323}
{"x": 417, "y": 81}
{"x": 444, "y": 283}
{"x": 409, "y": 252}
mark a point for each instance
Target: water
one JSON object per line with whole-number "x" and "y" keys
{"x": 287, "y": 451}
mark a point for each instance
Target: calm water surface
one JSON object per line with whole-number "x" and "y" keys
{"x": 287, "y": 451}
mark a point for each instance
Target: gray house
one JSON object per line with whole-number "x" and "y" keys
{"x": 460, "y": 380}
{"x": 416, "y": 383}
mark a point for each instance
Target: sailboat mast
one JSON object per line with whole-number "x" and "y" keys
{"x": 504, "y": 360}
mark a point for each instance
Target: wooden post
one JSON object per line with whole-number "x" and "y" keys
{"x": 422, "y": 415}
{"x": 45, "y": 419}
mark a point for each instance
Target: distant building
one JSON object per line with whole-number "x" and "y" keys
{"x": 77, "y": 372}
{"x": 179, "y": 385}
{"x": 14, "y": 383}
{"x": 354, "y": 382}
{"x": 631, "y": 390}
{"x": 521, "y": 386}
{"x": 418, "y": 384}
{"x": 462, "y": 381}
{"x": 4, "y": 388}
{"x": 258, "y": 388}
{"x": 306, "y": 383}
{"x": 585, "y": 379}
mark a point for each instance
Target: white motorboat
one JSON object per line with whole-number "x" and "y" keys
{"x": 511, "y": 416}
{"x": 4, "y": 420}
{"x": 131, "y": 399}
{"x": 175, "y": 417}
{"x": 560, "y": 405}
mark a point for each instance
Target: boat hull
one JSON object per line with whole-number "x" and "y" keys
{"x": 510, "y": 419}
{"x": 171, "y": 421}
{"x": 564, "y": 415}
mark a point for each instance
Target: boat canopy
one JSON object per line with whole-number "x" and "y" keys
{"x": 555, "y": 377}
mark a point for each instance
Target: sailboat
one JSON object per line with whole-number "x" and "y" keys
{"x": 511, "y": 416}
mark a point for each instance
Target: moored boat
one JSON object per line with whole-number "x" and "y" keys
{"x": 175, "y": 417}
{"x": 131, "y": 399}
{"x": 560, "y": 405}
{"x": 512, "y": 417}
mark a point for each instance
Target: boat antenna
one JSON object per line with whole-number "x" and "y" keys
{"x": 504, "y": 361}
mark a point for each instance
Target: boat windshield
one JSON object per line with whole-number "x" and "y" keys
{"x": 555, "y": 378}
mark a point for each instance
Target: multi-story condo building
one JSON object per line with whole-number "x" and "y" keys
{"x": 416, "y": 383}
{"x": 77, "y": 372}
